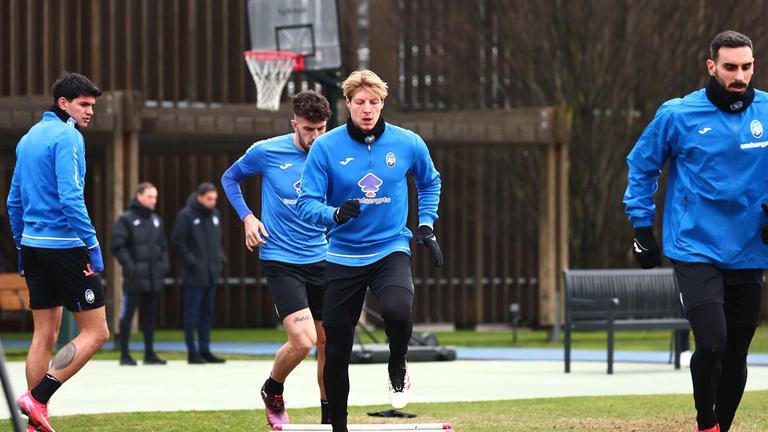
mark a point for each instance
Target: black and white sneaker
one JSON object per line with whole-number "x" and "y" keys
{"x": 400, "y": 387}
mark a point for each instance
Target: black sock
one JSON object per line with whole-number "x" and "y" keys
{"x": 325, "y": 410}
{"x": 273, "y": 387}
{"x": 45, "y": 389}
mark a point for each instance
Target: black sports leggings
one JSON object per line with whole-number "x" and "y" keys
{"x": 395, "y": 306}
{"x": 719, "y": 364}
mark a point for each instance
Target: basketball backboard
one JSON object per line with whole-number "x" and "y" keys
{"x": 306, "y": 27}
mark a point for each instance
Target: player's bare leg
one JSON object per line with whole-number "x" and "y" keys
{"x": 46, "y": 332}
{"x": 302, "y": 336}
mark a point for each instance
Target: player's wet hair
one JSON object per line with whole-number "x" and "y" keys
{"x": 729, "y": 39}
{"x": 312, "y": 106}
{"x": 364, "y": 79}
{"x": 72, "y": 85}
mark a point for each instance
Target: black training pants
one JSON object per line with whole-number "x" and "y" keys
{"x": 723, "y": 308}
{"x": 390, "y": 281}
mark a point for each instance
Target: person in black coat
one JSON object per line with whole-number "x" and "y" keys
{"x": 197, "y": 237}
{"x": 139, "y": 243}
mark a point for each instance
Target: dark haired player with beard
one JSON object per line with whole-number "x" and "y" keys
{"x": 715, "y": 143}
{"x": 292, "y": 251}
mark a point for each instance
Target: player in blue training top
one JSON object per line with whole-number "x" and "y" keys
{"x": 715, "y": 143}
{"x": 58, "y": 251}
{"x": 292, "y": 251}
{"x": 356, "y": 180}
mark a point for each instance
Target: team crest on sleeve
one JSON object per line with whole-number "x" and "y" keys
{"x": 391, "y": 159}
{"x": 756, "y": 128}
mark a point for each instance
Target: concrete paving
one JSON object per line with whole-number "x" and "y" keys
{"x": 104, "y": 386}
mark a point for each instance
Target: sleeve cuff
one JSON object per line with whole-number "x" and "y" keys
{"x": 328, "y": 216}
{"x": 640, "y": 223}
{"x": 426, "y": 221}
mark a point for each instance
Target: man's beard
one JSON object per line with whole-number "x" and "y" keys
{"x": 303, "y": 144}
{"x": 731, "y": 87}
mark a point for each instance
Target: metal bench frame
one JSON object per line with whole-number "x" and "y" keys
{"x": 626, "y": 299}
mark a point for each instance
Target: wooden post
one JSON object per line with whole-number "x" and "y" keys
{"x": 384, "y": 42}
{"x": 122, "y": 173}
{"x": 115, "y": 162}
{"x": 547, "y": 236}
{"x": 563, "y": 133}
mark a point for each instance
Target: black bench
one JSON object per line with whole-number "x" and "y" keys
{"x": 621, "y": 300}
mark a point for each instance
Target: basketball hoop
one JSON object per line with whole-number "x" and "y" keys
{"x": 270, "y": 71}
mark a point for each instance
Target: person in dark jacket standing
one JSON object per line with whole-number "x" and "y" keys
{"x": 139, "y": 243}
{"x": 196, "y": 237}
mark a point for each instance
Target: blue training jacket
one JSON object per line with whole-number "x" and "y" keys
{"x": 291, "y": 239}
{"x": 718, "y": 177}
{"x": 339, "y": 168}
{"x": 46, "y": 204}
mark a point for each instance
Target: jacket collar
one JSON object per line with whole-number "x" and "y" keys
{"x": 136, "y": 206}
{"x": 369, "y": 137}
{"x": 728, "y": 101}
{"x": 63, "y": 116}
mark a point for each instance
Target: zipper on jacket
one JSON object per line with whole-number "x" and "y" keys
{"x": 732, "y": 163}
{"x": 369, "y": 156}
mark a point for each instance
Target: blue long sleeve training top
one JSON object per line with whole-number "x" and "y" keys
{"x": 717, "y": 180}
{"x": 46, "y": 205}
{"x": 339, "y": 168}
{"x": 291, "y": 239}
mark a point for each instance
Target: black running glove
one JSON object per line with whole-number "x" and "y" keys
{"x": 426, "y": 237}
{"x": 764, "y": 228}
{"x": 645, "y": 248}
{"x": 347, "y": 210}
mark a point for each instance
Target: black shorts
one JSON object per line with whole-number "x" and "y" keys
{"x": 55, "y": 277}
{"x": 738, "y": 290}
{"x": 345, "y": 286}
{"x": 295, "y": 287}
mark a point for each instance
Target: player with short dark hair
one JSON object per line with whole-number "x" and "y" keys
{"x": 356, "y": 181}
{"x": 291, "y": 250}
{"x": 715, "y": 143}
{"x": 59, "y": 253}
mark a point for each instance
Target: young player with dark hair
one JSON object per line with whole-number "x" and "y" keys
{"x": 58, "y": 251}
{"x": 291, "y": 250}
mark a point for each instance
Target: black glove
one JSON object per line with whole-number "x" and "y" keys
{"x": 645, "y": 248}
{"x": 764, "y": 228}
{"x": 347, "y": 210}
{"x": 426, "y": 237}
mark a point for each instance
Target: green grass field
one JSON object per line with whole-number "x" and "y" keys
{"x": 667, "y": 413}
{"x": 642, "y": 340}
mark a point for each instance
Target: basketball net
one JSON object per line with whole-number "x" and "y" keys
{"x": 270, "y": 71}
